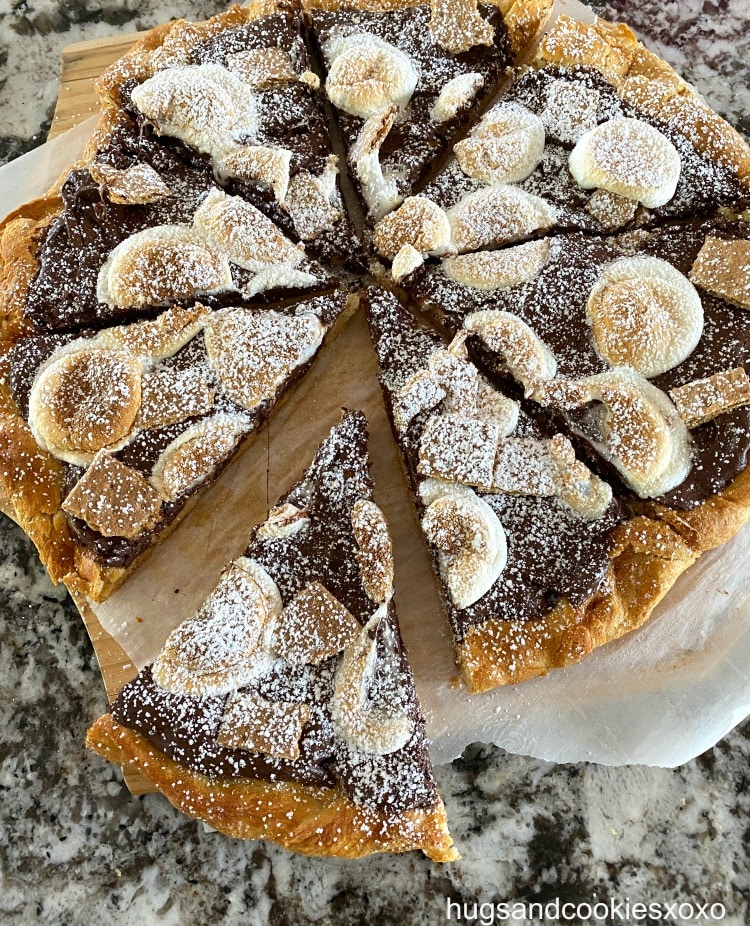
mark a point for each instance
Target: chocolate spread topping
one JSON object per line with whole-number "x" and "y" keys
{"x": 185, "y": 728}
{"x": 147, "y": 445}
{"x": 554, "y": 304}
{"x": 411, "y": 146}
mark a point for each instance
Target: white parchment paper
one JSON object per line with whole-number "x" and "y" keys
{"x": 660, "y": 696}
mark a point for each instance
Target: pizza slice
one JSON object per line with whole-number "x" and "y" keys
{"x": 597, "y": 134}
{"x": 405, "y": 77}
{"x": 107, "y": 438}
{"x": 285, "y": 708}
{"x": 204, "y": 126}
{"x": 537, "y": 559}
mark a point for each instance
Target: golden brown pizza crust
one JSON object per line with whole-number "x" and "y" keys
{"x": 647, "y": 82}
{"x": 646, "y": 561}
{"x": 314, "y": 821}
{"x": 713, "y": 522}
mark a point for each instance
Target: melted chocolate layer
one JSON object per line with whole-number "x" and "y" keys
{"x": 703, "y": 186}
{"x": 147, "y": 445}
{"x": 185, "y": 728}
{"x": 552, "y": 552}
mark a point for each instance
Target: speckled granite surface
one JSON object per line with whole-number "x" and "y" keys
{"x": 75, "y": 848}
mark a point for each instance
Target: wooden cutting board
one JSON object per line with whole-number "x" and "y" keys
{"x": 82, "y": 63}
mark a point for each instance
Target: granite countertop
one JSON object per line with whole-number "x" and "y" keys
{"x": 76, "y": 848}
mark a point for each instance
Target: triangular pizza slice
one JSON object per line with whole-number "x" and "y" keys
{"x": 537, "y": 560}
{"x": 237, "y": 95}
{"x": 405, "y": 77}
{"x": 107, "y": 438}
{"x": 285, "y": 707}
{"x": 210, "y": 176}
{"x": 597, "y": 134}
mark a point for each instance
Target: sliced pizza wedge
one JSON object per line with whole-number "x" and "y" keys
{"x": 107, "y": 438}
{"x": 285, "y": 708}
{"x": 647, "y": 348}
{"x": 537, "y": 559}
{"x": 597, "y": 134}
{"x": 405, "y": 78}
{"x": 210, "y": 176}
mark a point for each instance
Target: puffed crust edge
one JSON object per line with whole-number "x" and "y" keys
{"x": 313, "y": 821}
{"x": 646, "y": 560}
{"x": 646, "y": 81}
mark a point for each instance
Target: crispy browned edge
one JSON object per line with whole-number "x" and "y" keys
{"x": 522, "y": 18}
{"x": 314, "y": 821}
{"x": 650, "y": 552}
{"x": 646, "y": 561}
{"x": 30, "y": 478}
{"x": 645, "y": 80}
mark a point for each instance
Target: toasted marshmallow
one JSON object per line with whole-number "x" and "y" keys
{"x": 159, "y": 265}
{"x": 527, "y": 357}
{"x": 85, "y": 399}
{"x": 504, "y": 147}
{"x": 491, "y": 270}
{"x": 497, "y": 214}
{"x": 253, "y": 352}
{"x": 196, "y": 454}
{"x": 367, "y": 74}
{"x": 644, "y": 314}
{"x": 203, "y": 105}
{"x": 236, "y": 228}
{"x": 631, "y": 423}
{"x": 379, "y": 192}
{"x": 418, "y": 222}
{"x": 628, "y": 157}
{"x": 220, "y": 648}
{"x": 455, "y": 96}
{"x": 374, "y": 730}
{"x": 471, "y": 543}
{"x": 405, "y": 262}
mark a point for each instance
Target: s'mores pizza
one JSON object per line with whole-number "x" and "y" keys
{"x": 285, "y": 708}
{"x": 537, "y": 559}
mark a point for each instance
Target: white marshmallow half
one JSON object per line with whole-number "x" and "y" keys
{"x": 367, "y": 74}
{"x": 628, "y": 157}
{"x": 504, "y": 147}
{"x": 462, "y": 518}
{"x": 644, "y": 313}
{"x": 456, "y": 95}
